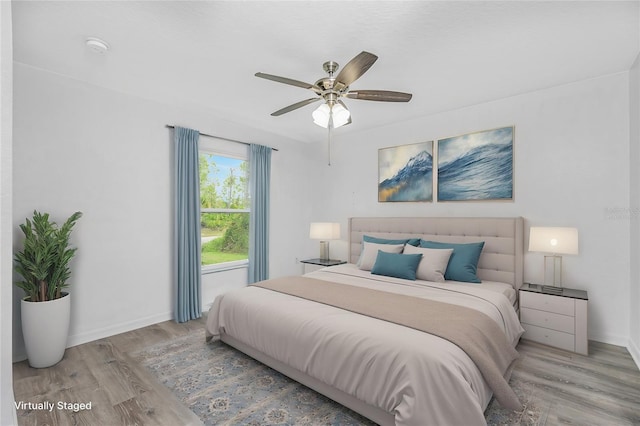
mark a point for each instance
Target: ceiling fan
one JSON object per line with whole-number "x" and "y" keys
{"x": 333, "y": 112}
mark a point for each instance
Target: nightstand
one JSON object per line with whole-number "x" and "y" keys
{"x": 311, "y": 265}
{"x": 555, "y": 316}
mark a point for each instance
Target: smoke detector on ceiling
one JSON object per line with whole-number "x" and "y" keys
{"x": 96, "y": 45}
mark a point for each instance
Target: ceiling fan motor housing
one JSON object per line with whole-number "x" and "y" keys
{"x": 330, "y": 67}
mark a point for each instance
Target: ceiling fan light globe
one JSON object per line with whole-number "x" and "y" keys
{"x": 321, "y": 115}
{"x": 340, "y": 115}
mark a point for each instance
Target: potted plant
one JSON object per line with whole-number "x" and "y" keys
{"x": 43, "y": 264}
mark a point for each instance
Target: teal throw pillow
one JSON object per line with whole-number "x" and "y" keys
{"x": 463, "y": 263}
{"x": 397, "y": 265}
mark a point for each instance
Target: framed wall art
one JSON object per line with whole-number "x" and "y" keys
{"x": 476, "y": 166}
{"x": 405, "y": 173}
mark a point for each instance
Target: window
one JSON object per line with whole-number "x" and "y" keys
{"x": 224, "y": 210}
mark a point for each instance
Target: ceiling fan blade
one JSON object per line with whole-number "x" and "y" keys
{"x": 289, "y": 81}
{"x": 295, "y": 106}
{"x": 354, "y": 69}
{"x": 379, "y": 95}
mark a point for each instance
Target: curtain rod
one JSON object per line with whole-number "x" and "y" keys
{"x": 219, "y": 137}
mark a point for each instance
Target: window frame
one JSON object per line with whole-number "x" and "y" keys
{"x": 235, "y": 264}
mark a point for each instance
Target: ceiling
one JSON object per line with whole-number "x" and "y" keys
{"x": 204, "y": 54}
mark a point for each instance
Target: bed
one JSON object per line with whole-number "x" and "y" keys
{"x": 381, "y": 367}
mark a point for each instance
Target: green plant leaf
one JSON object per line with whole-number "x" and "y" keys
{"x": 43, "y": 263}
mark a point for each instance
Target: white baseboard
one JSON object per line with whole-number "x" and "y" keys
{"x": 101, "y": 333}
{"x": 634, "y": 350}
{"x": 631, "y": 346}
{"x": 610, "y": 339}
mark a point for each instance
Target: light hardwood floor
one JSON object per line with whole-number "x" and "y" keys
{"x": 102, "y": 372}
{"x": 601, "y": 389}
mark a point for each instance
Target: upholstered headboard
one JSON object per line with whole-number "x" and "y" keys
{"x": 502, "y": 256}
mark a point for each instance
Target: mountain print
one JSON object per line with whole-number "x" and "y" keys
{"x": 412, "y": 181}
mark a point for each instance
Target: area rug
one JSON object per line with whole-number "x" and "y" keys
{"x": 222, "y": 386}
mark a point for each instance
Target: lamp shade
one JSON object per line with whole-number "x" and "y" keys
{"x": 340, "y": 115}
{"x": 556, "y": 240}
{"x": 323, "y": 113}
{"x": 324, "y": 231}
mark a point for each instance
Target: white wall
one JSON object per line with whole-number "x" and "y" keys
{"x": 7, "y": 409}
{"x": 293, "y": 191}
{"x": 634, "y": 212}
{"x": 107, "y": 154}
{"x": 571, "y": 169}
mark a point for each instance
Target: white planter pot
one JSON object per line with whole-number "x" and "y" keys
{"x": 45, "y": 327}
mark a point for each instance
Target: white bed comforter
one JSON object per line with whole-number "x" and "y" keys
{"x": 419, "y": 378}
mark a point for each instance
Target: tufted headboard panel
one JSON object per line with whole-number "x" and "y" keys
{"x": 502, "y": 256}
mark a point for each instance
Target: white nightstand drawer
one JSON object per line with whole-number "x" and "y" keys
{"x": 546, "y": 302}
{"x": 554, "y": 338}
{"x": 546, "y": 319}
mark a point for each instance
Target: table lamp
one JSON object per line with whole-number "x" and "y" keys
{"x": 324, "y": 231}
{"x": 554, "y": 241}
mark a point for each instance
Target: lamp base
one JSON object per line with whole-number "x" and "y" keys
{"x": 324, "y": 250}
{"x": 553, "y": 270}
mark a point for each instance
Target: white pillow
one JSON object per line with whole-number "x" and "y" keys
{"x": 370, "y": 253}
{"x": 433, "y": 264}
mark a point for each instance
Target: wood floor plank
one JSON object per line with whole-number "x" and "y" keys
{"x": 104, "y": 361}
{"x": 121, "y": 391}
{"x": 599, "y": 389}
{"x": 171, "y": 412}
